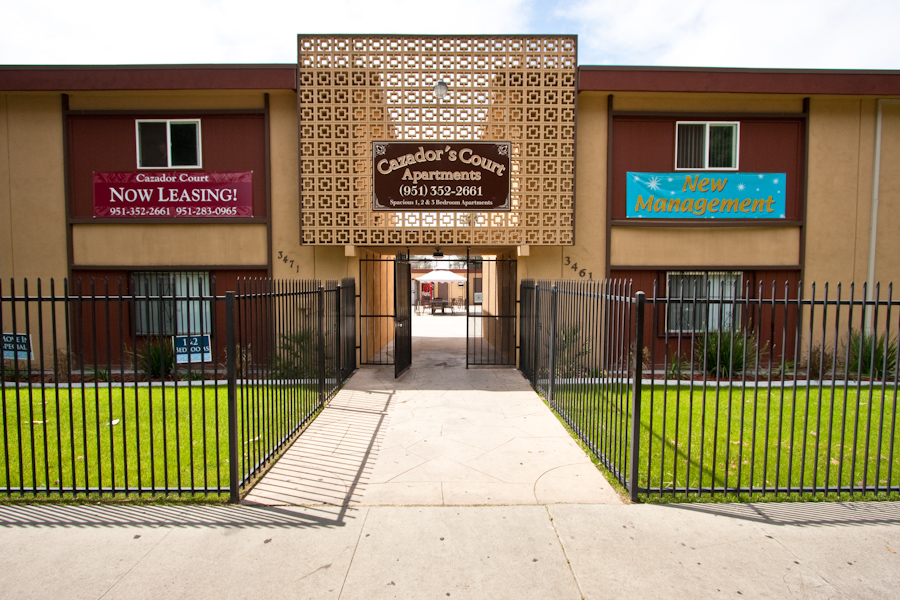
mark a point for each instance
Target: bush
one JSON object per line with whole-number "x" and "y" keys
{"x": 61, "y": 365}
{"x": 819, "y": 362}
{"x": 722, "y": 353}
{"x": 156, "y": 359}
{"x": 571, "y": 349}
{"x": 677, "y": 367}
{"x": 297, "y": 356}
{"x": 870, "y": 356}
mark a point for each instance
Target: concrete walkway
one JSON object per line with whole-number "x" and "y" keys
{"x": 440, "y": 435}
{"x": 446, "y": 483}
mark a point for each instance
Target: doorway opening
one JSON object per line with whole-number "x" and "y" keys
{"x": 445, "y": 309}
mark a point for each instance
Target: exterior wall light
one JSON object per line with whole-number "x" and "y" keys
{"x": 441, "y": 89}
{"x": 437, "y": 253}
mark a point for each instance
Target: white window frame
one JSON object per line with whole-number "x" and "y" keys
{"x": 707, "y": 126}
{"x": 169, "y": 123}
{"x": 174, "y": 304}
{"x": 707, "y": 316}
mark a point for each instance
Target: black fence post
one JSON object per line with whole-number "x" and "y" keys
{"x": 338, "y": 334}
{"x": 634, "y": 455}
{"x": 553, "y": 320}
{"x": 536, "y": 336}
{"x": 231, "y": 373}
{"x": 321, "y": 352}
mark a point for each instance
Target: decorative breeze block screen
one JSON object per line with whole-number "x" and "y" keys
{"x": 355, "y": 90}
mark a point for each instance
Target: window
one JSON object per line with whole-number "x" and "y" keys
{"x": 706, "y": 145}
{"x": 690, "y": 309}
{"x": 171, "y": 303}
{"x": 164, "y": 144}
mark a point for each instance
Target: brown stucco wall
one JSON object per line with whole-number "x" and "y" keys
{"x": 166, "y": 245}
{"x": 6, "y": 260}
{"x": 841, "y": 146}
{"x": 286, "y": 191}
{"x": 589, "y": 250}
{"x": 696, "y": 247}
{"x": 32, "y": 210}
{"x": 887, "y": 263}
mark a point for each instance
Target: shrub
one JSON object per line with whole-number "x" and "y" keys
{"x": 156, "y": 359}
{"x": 819, "y": 361}
{"x": 571, "y": 349}
{"x": 297, "y": 356}
{"x": 722, "y": 353}
{"x": 870, "y": 356}
{"x": 61, "y": 365}
{"x": 676, "y": 367}
{"x": 10, "y": 372}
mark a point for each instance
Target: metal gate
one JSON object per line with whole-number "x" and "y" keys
{"x": 385, "y": 327}
{"x": 491, "y": 311}
{"x": 402, "y": 316}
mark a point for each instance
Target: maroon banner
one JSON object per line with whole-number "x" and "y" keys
{"x": 173, "y": 195}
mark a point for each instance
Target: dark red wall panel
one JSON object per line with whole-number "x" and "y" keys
{"x": 103, "y": 143}
{"x": 767, "y": 145}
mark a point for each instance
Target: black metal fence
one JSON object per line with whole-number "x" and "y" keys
{"x": 575, "y": 340}
{"x": 491, "y": 312}
{"x": 761, "y": 393}
{"x": 159, "y": 386}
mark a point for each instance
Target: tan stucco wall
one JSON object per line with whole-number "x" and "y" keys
{"x": 169, "y": 245}
{"x": 314, "y": 262}
{"x": 6, "y": 246}
{"x": 285, "y": 192}
{"x": 544, "y": 262}
{"x": 887, "y": 261}
{"x": 720, "y": 246}
{"x": 841, "y": 146}
{"x": 32, "y": 187}
{"x": 588, "y": 253}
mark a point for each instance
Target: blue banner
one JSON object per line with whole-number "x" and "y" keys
{"x": 705, "y": 195}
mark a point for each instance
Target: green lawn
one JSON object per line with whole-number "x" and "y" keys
{"x": 135, "y": 438}
{"x": 759, "y": 438}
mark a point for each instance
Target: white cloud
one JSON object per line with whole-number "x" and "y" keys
{"x": 762, "y": 33}
{"x": 226, "y": 31}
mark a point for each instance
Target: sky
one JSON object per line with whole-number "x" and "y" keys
{"x": 803, "y": 34}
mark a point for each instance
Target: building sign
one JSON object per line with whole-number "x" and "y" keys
{"x": 192, "y": 349}
{"x": 17, "y": 346}
{"x": 705, "y": 195}
{"x": 173, "y": 195}
{"x": 453, "y": 176}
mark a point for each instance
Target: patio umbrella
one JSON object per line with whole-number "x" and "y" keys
{"x": 440, "y": 276}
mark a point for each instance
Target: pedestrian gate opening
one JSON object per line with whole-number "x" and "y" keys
{"x": 390, "y": 294}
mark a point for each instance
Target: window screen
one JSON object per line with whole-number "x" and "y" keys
{"x": 171, "y": 303}
{"x": 690, "y": 295}
{"x": 165, "y": 144}
{"x": 706, "y": 145}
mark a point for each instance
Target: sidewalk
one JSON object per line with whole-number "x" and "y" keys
{"x": 446, "y": 483}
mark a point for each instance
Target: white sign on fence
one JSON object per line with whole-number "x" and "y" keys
{"x": 192, "y": 349}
